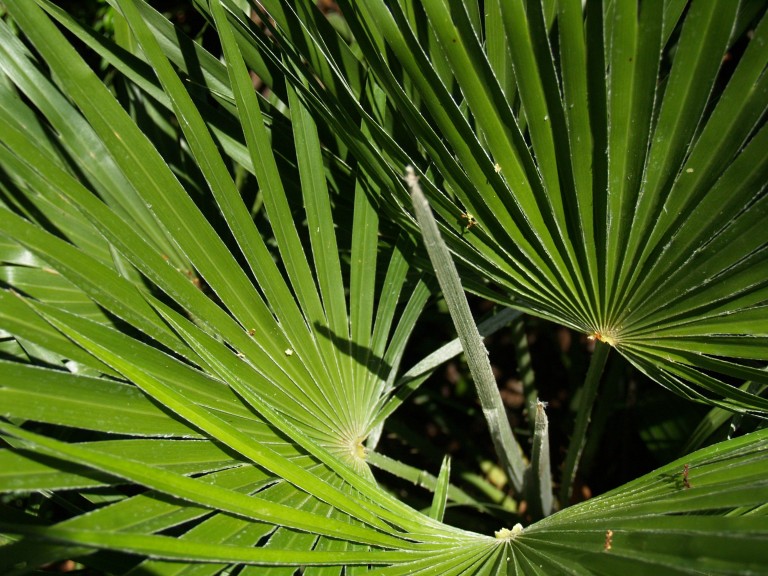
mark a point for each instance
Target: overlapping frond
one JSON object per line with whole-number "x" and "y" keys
{"x": 193, "y": 397}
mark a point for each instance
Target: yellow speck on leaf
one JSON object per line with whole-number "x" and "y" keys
{"x": 608, "y": 540}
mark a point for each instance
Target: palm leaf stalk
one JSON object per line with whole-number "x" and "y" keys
{"x": 495, "y": 414}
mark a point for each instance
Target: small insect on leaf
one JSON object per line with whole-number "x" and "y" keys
{"x": 469, "y": 220}
{"x": 497, "y": 167}
{"x": 603, "y": 337}
{"x": 686, "y": 483}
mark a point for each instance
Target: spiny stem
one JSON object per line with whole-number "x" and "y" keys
{"x": 507, "y": 448}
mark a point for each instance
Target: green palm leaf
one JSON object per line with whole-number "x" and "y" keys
{"x": 618, "y": 190}
{"x": 194, "y": 376}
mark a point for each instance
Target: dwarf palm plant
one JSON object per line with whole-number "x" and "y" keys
{"x": 192, "y": 370}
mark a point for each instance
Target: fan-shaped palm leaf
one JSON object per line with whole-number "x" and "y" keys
{"x": 231, "y": 383}
{"x": 616, "y": 186}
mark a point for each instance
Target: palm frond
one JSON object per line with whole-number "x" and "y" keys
{"x": 191, "y": 379}
{"x": 619, "y": 188}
